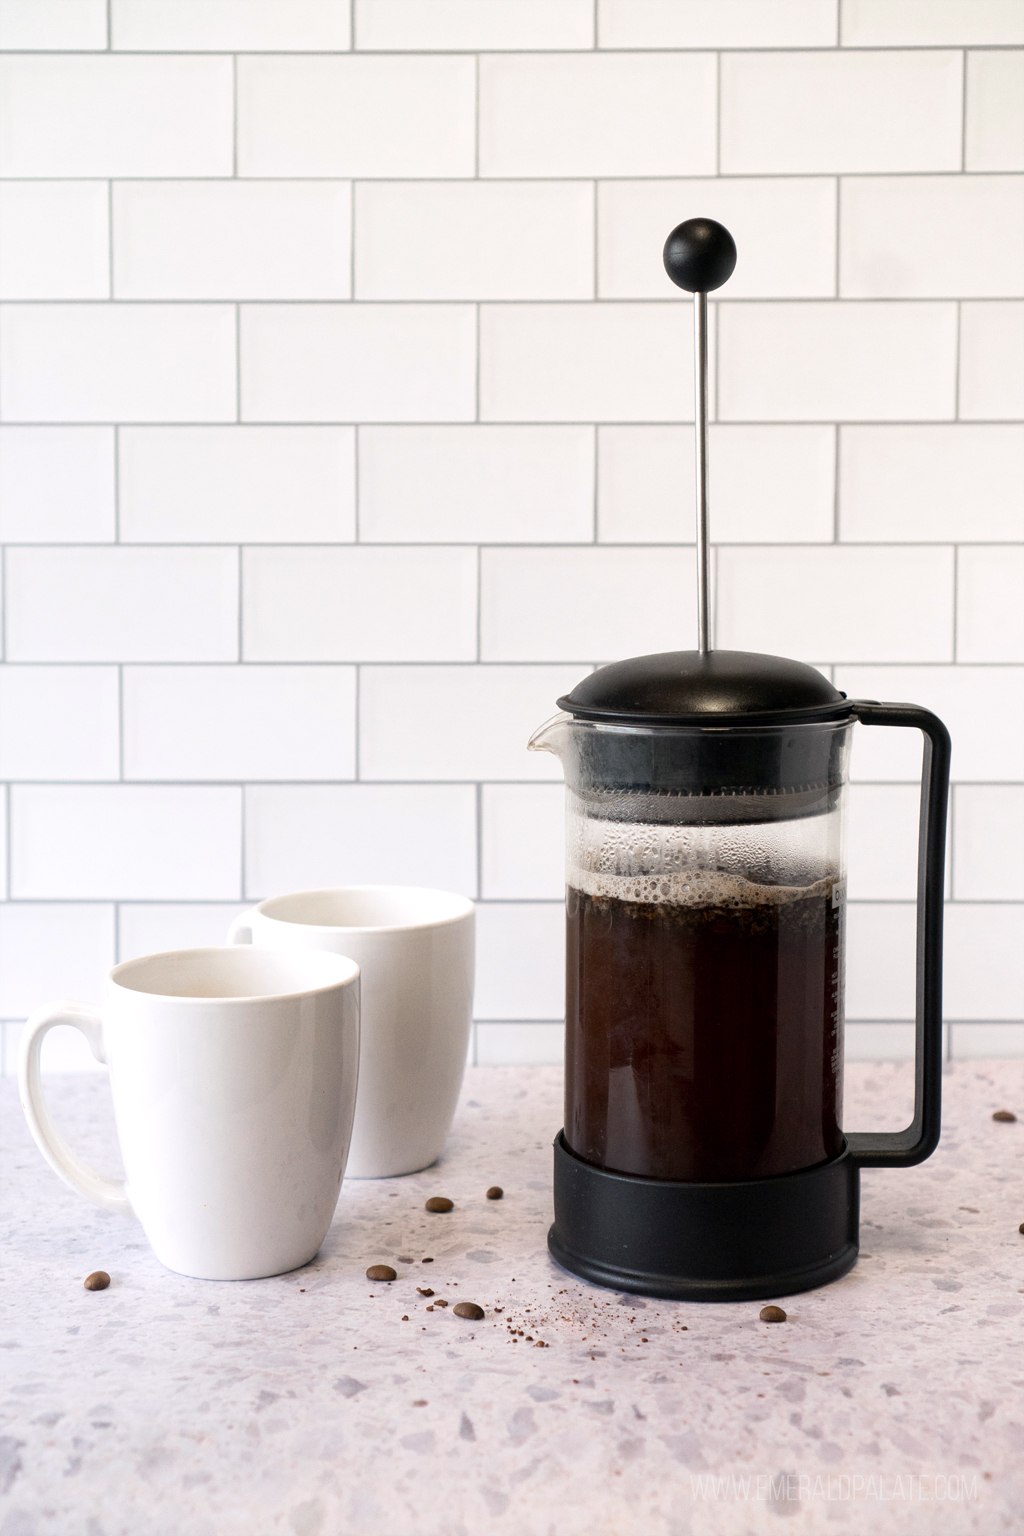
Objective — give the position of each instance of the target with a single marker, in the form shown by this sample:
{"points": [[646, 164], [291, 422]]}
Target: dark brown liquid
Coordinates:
{"points": [[702, 1041]]}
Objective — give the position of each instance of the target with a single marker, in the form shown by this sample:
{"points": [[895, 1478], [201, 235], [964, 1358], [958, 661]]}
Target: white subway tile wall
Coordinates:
{"points": [[343, 427]]}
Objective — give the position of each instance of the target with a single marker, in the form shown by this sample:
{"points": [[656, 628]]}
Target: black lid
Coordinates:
{"points": [[720, 688]]}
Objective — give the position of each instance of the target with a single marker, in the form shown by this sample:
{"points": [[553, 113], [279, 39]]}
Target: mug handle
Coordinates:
{"points": [[240, 931], [108, 1193]]}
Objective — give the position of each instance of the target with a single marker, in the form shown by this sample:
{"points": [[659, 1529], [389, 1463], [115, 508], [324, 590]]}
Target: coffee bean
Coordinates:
{"points": [[428, 1309], [1006, 1115], [405, 1317], [772, 1315], [440, 1303], [495, 1192], [381, 1272], [99, 1280], [1020, 1229], [424, 1290], [426, 1261], [440, 1203], [468, 1309]]}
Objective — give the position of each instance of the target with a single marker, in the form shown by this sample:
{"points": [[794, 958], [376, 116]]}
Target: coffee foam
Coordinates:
{"points": [[693, 888]]}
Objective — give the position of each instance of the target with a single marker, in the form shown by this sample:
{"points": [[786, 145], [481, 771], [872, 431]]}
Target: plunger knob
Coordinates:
{"points": [[700, 255]]}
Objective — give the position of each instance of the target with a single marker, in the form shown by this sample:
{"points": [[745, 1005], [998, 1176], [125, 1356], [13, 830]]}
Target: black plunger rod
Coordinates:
{"points": [[700, 256]]}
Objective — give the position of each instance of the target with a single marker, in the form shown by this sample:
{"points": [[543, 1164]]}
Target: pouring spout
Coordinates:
{"points": [[552, 736]]}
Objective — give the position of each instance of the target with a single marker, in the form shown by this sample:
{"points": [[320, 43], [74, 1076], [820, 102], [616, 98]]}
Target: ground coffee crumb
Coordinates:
{"points": [[99, 1280], [424, 1290], [772, 1315], [1006, 1115], [440, 1303], [381, 1272], [495, 1192], [405, 1317], [440, 1203], [468, 1309], [428, 1309]]}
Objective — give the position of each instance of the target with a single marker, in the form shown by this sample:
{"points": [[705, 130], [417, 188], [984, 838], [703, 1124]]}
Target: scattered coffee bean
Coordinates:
{"points": [[440, 1203], [772, 1315], [99, 1280], [1020, 1229], [424, 1290], [428, 1309], [468, 1309], [495, 1192], [1006, 1115], [406, 1258], [420, 1402], [405, 1317], [440, 1303], [426, 1261], [381, 1272]]}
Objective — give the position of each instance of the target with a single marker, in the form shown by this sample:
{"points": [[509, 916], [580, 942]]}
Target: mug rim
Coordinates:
{"points": [[468, 909], [113, 979]]}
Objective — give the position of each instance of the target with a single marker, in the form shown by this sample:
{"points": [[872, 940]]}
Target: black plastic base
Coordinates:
{"points": [[705, 1242]]}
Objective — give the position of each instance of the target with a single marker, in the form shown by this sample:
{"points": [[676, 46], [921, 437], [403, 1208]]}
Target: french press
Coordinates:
{"points": [[703, 1155]]}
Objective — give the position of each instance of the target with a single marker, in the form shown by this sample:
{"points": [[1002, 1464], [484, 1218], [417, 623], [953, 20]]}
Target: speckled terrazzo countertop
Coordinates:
{"points": [[892, 1400]]}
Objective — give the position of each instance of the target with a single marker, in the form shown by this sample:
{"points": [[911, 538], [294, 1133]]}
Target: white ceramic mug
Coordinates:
{"points": [[415, 951], [233, 1075]]}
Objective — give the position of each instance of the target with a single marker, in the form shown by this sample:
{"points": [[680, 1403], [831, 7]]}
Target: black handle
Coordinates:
{"points": [[700, 255], [900, 1149]]}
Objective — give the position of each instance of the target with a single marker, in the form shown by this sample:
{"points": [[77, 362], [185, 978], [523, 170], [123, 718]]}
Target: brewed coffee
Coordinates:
{"points": [[703, 1026]]}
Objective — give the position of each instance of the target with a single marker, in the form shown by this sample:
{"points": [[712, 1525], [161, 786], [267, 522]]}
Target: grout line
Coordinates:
{"points": [[234, 114], [718, 114], [956, 362], [596, 274], [117, 933], [956, 603], [593, 22], [476, 378], [242, 875], [839, 23], [527, 177], [479, 600], [673, 423], [241, 588], [110, 41], [120, 723], [950, 842], [110, 239], [835, 489], [627, 301], [8, 849], [963, 112], [357, 699], [117, 485], [352, 26], [479, 812], [597, 482], [835, 281], [238, 363], [476, 116], [352, 239], [356, 488]]}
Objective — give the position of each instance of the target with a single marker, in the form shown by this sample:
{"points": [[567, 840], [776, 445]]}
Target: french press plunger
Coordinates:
{"points": [[703, 1155]]}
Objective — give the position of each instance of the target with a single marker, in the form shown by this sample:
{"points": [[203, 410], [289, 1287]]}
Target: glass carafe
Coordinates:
{"points": [[704, 947]]}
